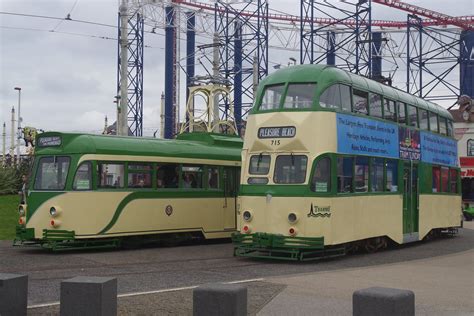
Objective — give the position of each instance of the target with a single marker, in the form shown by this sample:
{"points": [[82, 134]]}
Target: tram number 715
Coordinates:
{"points": [[275, 142]]}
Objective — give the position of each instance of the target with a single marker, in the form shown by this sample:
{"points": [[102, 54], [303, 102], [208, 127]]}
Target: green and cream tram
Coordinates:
{"points": [[333, 161], [97, 191]]}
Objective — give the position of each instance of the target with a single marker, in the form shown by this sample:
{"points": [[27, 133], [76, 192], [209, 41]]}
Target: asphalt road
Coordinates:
{"points": [[156, 268]]}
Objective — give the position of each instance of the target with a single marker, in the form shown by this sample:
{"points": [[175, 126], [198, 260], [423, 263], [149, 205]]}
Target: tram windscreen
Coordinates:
{"points": [[51, 173], [290, 169]]}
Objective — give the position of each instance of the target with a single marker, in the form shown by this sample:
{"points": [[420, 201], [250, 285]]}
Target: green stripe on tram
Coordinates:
{"points": [[158, 195]]}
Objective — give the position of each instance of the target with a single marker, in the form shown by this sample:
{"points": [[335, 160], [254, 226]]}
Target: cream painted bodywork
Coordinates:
{"points": [[352, 217], [88, 213], [315, 134], [439, 211]]}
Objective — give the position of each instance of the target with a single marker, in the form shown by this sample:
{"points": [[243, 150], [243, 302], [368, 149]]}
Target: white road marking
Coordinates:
{"points": [[152, 292]]}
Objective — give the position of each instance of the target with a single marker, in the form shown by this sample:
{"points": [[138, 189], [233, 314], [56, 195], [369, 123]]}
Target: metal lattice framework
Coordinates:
{"points": [[432, 55], [348, 47], [135, 38], [243, 52], [408, 53]]}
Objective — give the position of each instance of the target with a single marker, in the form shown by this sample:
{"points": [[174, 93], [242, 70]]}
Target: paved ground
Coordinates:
{"points": [[443, 285], [440, 272]]}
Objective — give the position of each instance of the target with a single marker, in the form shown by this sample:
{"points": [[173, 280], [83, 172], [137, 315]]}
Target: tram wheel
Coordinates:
{"points": [[374, 244]]}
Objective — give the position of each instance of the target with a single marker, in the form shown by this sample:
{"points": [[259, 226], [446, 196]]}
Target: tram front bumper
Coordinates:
{"points": [[263, 245]]}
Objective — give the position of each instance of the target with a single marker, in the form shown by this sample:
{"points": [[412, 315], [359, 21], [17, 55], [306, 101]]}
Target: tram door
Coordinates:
{"points": [[231, 185], [410, 201]]}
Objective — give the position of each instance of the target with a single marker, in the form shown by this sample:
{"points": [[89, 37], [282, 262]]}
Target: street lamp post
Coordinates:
{"points": [[19, 126]]}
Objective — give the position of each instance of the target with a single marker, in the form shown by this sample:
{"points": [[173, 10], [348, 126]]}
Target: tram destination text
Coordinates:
{"points": [[277, 132]]}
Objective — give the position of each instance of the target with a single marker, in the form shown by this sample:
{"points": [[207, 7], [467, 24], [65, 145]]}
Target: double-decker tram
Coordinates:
{"points": [[97, 191], [334, 162]]}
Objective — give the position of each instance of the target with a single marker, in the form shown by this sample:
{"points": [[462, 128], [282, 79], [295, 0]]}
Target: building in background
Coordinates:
{"points": [[464, 133]]}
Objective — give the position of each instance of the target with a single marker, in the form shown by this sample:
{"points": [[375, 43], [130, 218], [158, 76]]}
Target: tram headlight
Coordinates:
{"points": [[54, 211], [21, 210], [292, 218], [247, 216]]}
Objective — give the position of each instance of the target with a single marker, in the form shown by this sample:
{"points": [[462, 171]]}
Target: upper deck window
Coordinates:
{"points": [[360, 101], [290, 169], [423, 119], [389, 110], [375, 105], [299, 96], [412, 115], [272, 97], [450, 128], [433, 122], [402, 118], [336, 96], [442, 125], [259, 164], [52, 173]]}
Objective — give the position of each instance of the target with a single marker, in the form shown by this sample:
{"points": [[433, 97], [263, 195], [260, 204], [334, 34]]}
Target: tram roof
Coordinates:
{"points": [[325, 76], [192, 145]]}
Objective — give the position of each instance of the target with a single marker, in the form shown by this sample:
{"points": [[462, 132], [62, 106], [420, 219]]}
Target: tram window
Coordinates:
{"points": [[272, 97], [83, 178], [389, 110], [453, 181], [424, 119], [167, 176], [470, 147], [375, 105], [412, 115], [392, 175], [331, 98], [344, 174], [402, 118], [450, 128], [361, 174], [192, 176], [321, 181], [52, 173], [433, 122], [139, 166], [290, 169], [111, 175], [257, 180], [345, 97], [360, 101], [299, 96], [436, 182], [259, 164], [213, 177], [139, 176], [445, 179], [443, 129], [376, 175]]}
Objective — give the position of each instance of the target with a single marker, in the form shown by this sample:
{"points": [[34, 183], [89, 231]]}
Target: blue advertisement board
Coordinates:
{"points": [[438, 150], [362, 136]]}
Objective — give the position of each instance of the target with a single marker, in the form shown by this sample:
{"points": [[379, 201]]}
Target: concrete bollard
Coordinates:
{"points": [[89, 296], [383, 301], [220, 299], [13, 294]]}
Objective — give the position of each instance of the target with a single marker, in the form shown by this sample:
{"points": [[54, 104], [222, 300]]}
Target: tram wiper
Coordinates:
{"points": [[292, 159]]}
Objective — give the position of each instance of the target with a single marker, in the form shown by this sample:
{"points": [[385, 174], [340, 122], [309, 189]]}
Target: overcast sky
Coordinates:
{"points": [[68, 80]]}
